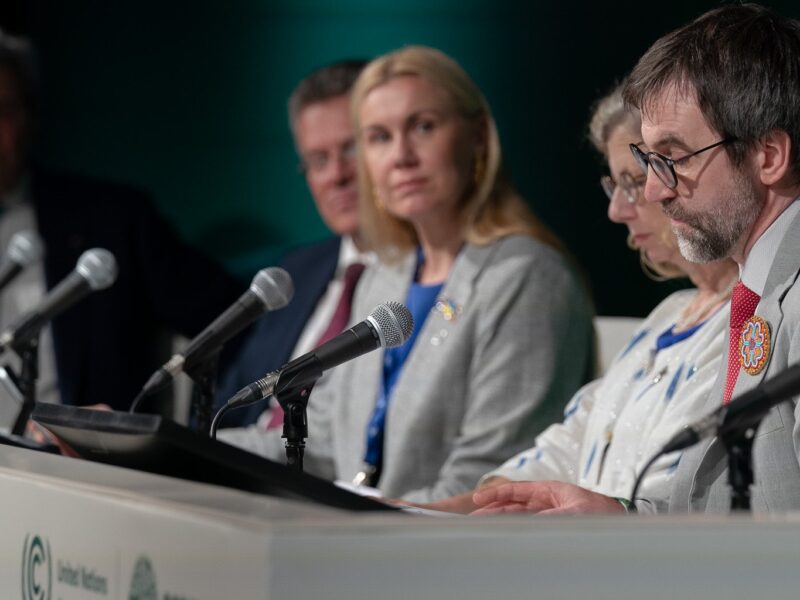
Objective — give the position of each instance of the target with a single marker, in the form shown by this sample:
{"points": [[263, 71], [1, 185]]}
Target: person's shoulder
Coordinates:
{"points": [[670, 308], [525, 248], [81, 190], [327, 248], [525, 258]]}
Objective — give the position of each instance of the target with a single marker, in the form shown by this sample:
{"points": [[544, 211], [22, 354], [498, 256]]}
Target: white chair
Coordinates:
{"points": [[612, 334]]}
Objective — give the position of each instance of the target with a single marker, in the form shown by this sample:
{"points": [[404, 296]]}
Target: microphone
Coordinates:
{"points": [[742, 412], [271, 289], [387, 326], [96, 270], [24, 249]]}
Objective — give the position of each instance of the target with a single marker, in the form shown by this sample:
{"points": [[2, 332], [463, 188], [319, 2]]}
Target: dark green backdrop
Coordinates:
{"points": [[187, 100]]}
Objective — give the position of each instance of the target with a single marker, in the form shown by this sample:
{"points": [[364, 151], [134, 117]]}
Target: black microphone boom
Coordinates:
{"points": [[741, 413], [24, 249], [388, 325], [271, 289], [96, 270]]}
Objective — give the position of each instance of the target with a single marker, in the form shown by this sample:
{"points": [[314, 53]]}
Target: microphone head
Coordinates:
{"points": [[98, 267], [393, 323], [25, 248], [273, 286]]}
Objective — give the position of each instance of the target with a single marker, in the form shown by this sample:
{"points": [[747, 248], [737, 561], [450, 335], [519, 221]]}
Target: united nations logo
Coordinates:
{"points": [[143, 581], [37, 569]]}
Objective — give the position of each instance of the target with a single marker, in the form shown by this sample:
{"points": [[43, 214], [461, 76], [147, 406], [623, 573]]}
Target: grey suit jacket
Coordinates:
{"points": [[474, 390], [701, 481]]}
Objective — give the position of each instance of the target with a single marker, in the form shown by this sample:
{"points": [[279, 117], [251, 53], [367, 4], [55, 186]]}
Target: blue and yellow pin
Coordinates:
{"points": [[449, 309]]}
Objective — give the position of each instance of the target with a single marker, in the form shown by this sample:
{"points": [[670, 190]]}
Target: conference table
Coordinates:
{"points": [[79, 529]]}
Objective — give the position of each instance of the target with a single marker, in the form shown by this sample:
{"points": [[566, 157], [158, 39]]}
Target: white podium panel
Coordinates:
{"points": [[73, 529]]}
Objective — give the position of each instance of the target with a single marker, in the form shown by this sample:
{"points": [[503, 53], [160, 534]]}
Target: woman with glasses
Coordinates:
{"points": [[659, 382], [502, 334]]}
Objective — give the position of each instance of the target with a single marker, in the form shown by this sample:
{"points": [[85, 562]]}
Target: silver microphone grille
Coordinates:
{"points": [[393, 322], [98, 267], [25, 248], [274, 287]]}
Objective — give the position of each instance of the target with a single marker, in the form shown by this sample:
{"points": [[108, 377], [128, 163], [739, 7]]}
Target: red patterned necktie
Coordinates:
{"points": [[743, 306], [339, 320]]}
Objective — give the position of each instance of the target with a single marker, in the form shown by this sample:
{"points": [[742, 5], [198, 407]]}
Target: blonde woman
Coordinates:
{"points": [[503, 326]]}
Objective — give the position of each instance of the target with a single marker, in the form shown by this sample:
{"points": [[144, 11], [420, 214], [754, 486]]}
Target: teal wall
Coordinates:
{"points": [[187, 100]]}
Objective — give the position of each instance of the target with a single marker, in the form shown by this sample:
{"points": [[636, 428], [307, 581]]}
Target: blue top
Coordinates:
{"points": [[669, 337], [420, 300]]}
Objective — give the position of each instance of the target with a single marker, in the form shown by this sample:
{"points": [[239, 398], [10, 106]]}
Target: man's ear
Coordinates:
{"points": [[773, 157]]}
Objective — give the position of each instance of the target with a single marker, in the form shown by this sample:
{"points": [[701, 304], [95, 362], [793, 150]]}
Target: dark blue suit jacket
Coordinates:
{"points": [[107, 345], [270, 342]]}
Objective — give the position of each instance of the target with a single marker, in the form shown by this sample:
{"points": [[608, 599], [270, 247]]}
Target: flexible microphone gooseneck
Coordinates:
{"points": [[272, 288], [24, 249], [96, 270], [387, 326], [741, 413]]}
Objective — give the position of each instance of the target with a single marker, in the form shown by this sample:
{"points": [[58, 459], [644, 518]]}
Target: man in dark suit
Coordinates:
{"points": [[319, 116], [104, 348]]}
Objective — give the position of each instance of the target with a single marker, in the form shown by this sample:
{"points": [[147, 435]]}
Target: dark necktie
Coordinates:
{"points": [[341, 316], [743, 306]]}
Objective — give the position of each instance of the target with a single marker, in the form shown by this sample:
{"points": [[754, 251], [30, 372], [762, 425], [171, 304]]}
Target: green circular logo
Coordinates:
{"points": [[143, 581], [37, 569]]}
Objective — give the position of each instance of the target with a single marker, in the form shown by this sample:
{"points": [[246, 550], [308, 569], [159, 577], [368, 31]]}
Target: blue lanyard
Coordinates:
{"points": [[420, 300]]}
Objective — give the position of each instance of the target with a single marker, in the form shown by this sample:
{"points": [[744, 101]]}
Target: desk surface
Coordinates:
{"points": [[84, 530]]}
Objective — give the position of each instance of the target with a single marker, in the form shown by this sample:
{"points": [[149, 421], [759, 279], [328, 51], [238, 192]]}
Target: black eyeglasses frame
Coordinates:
{"points": [[663, 166]]}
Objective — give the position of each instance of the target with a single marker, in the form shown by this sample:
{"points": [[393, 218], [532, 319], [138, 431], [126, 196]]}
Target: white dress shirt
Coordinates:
{"points": [[21, 295]]}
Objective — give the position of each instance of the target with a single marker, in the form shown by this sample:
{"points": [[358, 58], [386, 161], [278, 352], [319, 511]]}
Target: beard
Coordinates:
{"points": [[709, 236]]}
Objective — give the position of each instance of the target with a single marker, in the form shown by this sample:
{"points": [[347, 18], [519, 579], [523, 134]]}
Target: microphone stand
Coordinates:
{"points": [[204, 376], [739, 444], [29, 373], [294, 402]]}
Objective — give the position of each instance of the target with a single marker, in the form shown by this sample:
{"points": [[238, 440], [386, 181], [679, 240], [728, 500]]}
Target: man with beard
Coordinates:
{"points": [[720, 102]]}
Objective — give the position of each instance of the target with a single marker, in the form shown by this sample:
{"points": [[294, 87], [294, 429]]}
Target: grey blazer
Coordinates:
{"points": [[474, 390], [701, 481]]}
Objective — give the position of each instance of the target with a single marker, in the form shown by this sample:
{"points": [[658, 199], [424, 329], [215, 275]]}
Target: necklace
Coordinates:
{"points": [[692, 316], [689, 321]]}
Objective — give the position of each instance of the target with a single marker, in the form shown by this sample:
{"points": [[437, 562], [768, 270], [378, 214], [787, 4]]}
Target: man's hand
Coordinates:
{"points": [[542, 497], [463, 503]]}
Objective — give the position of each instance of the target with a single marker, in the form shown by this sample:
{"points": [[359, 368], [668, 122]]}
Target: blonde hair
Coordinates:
{"points": [[492, 208], [608, 115]]}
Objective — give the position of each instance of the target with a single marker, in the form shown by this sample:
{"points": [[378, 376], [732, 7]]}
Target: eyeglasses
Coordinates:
{"points": [[664, 167], [631, 187], [316, 163]]}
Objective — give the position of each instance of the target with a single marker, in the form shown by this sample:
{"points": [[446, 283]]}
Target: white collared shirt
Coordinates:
{"points": [[24, 293]]}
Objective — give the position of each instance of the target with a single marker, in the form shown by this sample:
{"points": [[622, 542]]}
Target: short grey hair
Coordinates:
{"points": [[608, 113], [325, 83]]}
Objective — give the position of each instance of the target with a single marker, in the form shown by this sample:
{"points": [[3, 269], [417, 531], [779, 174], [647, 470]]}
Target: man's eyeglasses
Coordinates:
{"points": [[316, 163], [664, 167], [631, 188]]}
